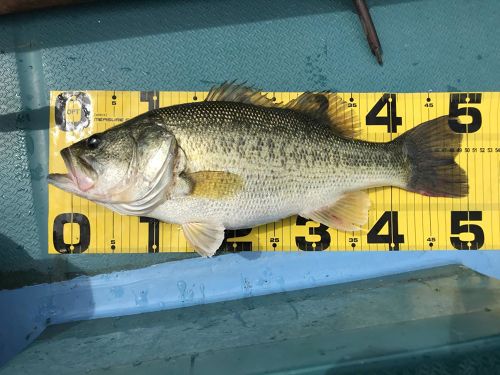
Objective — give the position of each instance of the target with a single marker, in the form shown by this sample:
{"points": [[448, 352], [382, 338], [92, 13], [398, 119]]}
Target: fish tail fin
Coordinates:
{"points": [[430, 150]]}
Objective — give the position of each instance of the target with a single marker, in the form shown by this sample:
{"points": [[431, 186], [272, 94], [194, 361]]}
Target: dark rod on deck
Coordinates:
{"points": [[15, 6], [369, 28]]}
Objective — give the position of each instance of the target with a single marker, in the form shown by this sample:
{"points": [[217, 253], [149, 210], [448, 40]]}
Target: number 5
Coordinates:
{"points": [[457, 99], [457, 228]]}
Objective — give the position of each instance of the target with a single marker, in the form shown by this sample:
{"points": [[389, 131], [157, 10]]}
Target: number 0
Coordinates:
{"points": [[58, 233]]}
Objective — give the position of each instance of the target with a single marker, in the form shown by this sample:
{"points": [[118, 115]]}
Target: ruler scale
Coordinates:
{"points": [[398, 220]]}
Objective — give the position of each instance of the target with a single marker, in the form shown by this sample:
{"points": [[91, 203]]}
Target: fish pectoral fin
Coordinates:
{"points": [[215, 184], [206, 238], [330, 109], [348, 213], [181, 188]]}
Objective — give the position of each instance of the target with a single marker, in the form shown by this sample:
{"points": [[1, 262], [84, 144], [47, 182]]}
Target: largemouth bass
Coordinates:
{"points": [[237, 160]]}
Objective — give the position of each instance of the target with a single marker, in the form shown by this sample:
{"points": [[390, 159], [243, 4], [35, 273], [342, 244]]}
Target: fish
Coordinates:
{"points": [[238, 159]]}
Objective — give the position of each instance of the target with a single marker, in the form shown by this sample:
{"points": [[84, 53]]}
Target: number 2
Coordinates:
{"points": [[236, 246]]}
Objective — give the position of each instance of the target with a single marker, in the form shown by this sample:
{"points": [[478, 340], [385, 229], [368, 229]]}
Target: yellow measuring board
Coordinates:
{"points": [[398, 220]]}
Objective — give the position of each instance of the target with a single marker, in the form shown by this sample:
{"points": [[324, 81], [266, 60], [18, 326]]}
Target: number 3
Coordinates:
{"points": [[322, 231]]}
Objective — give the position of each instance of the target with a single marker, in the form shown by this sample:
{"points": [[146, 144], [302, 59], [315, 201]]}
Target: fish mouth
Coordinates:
{"points": [[81, 175]]}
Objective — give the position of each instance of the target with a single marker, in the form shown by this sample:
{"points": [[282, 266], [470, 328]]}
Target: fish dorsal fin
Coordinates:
{"points": [[214, 184], [233, 92], [348, 213], [206, 238], [328, 108]]}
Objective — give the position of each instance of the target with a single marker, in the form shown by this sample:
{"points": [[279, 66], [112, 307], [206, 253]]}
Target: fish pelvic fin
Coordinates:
{"points": [[330, 109], [206, 238], [430, 150], [348, 213]]}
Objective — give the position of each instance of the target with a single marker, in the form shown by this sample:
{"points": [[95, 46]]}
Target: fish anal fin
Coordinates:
{"points": [[348, 213], [330, 109], [205, 238], [215, 184], [233, 92]]}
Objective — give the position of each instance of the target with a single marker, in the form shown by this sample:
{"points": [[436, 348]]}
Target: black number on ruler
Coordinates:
{"points": [[457, 228], [236, 246], [322, 231], [392, 238], [391, 119], [153, 233], [151, 97], [58, 233], [476, 122]]}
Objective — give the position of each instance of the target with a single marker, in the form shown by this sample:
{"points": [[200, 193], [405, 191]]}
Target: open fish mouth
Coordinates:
{"points": [[81, 175]]}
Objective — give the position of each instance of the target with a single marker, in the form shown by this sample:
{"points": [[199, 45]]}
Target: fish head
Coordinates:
{"points": [[127, 164]]}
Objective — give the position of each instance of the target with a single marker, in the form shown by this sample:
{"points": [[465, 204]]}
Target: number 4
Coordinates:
{"points": [[391, 119], [393, 238]]}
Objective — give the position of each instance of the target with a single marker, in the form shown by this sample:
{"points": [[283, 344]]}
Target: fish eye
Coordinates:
{"points": [[93, 141]]}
